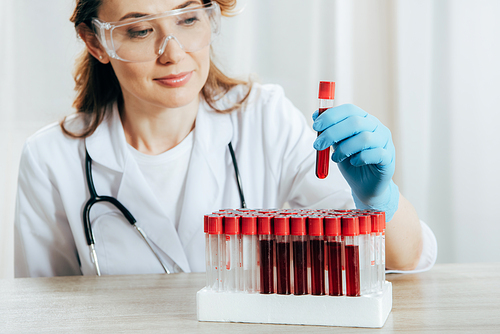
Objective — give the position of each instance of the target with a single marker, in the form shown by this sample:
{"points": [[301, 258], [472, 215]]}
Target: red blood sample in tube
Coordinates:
{"points": [[317, 251], [266, 244], [326, 96], [282, 232], [350, 233], [334, 248], [299, 255], [352, 270]]}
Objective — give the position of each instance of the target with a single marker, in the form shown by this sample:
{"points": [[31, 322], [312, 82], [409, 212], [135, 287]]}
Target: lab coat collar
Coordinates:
{"points": [[205, 178]]}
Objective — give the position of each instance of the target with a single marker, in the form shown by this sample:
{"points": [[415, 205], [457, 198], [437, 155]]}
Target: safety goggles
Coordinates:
{"points": [[145, 38]]}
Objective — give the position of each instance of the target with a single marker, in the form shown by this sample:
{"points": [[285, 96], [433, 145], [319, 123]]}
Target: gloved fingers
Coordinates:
{"points": [[374, 156], [315, 115], [358, 143], [335, 115], [346, 128]]}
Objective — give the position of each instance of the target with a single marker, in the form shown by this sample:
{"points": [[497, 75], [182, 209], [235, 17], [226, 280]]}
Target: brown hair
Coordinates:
{"points": [[97, 85]]}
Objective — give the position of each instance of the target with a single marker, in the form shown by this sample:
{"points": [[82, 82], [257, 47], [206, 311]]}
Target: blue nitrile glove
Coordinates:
{"points": [[364, 153]]}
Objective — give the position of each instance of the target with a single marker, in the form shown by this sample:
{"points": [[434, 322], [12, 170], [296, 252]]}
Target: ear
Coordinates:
{"points": [[93, 45]]}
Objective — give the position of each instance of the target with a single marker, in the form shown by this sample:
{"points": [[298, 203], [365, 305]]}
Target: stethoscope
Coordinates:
{"points": [[94, 198]]}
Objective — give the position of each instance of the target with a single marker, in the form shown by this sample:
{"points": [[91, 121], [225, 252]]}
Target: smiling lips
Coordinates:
{"points": [[175, 80]]}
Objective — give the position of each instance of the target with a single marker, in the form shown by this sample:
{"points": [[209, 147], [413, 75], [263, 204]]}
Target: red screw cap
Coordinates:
{"points": [[365, 224], [315, 225], [326, 90], [264, 224], [282, 225], [332, 226], [215, 224], [248, 225], [350, 226], [298, 225], [232, 224]]}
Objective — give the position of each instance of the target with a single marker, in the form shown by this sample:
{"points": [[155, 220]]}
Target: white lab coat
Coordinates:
{"points": [[273, 146]]}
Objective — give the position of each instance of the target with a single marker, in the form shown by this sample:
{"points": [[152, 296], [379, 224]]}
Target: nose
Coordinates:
{"points": [[172, 52]]}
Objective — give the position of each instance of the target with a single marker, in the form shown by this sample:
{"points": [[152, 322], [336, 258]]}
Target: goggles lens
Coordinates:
{"points": [[145, 39]]}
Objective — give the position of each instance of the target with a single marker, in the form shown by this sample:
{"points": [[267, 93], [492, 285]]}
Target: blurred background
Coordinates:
{"points": [[429, 70]]}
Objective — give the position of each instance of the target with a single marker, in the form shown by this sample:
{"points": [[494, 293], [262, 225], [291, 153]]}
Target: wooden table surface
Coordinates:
{"points": [[450, 297]]}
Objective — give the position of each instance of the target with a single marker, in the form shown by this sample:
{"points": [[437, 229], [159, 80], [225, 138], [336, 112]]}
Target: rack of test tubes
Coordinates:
{"points": [[316, 267]]}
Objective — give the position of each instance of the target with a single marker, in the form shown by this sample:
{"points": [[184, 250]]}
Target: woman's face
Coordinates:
{"points": [[174, 79]]}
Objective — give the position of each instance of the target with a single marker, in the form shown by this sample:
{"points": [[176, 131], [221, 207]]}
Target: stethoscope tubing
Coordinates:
{"points": [[95, 198]]}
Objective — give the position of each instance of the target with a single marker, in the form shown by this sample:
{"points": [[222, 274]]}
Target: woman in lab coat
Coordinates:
{"points": [[155, 116]]}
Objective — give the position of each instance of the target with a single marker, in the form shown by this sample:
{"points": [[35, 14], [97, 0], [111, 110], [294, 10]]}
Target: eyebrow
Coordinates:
{"points": [[137, 14]]}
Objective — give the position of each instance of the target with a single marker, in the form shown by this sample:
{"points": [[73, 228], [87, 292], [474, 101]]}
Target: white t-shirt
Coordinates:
{"points": [[166, 174]]}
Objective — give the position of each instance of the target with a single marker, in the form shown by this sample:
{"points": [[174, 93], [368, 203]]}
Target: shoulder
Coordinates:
{"points": [[51, 145]]}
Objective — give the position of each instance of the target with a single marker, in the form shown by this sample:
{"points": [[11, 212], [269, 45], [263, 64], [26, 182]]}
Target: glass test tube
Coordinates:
{"points": [[233, 267], [326, 96], [335, 250], [208, 270], [317, 254], [365, 228], [217, 251], [299, 241], [375, 242], [381, 268], [266, 248], [249, 253], [283, 276], [350, 233]]}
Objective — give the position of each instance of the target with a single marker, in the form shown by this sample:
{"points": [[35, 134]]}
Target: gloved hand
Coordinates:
{"points": [[364, 153]]}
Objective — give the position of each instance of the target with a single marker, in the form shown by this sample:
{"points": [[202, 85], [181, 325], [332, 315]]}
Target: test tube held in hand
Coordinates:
{"points": [[326, 96], [299, 241], [249, 253], [266, 248], [233, 268], [317, 254], [283, 270], [350, 233]]}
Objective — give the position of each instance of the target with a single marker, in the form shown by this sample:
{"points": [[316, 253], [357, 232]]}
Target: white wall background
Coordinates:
{"points": [[427, 69]]}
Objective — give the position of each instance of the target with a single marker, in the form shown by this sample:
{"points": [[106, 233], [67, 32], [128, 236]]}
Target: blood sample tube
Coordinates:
{"points": [[326, 96], [317, 254], [350, 234], [208, 270], [365, 228], [282, 232], [217, 251], [335, 250], [232, 230], [375, 242], [299, 241], [249, 253], [381, 268], [266, 247]]}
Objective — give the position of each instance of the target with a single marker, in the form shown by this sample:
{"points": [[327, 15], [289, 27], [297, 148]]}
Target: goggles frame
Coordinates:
{"points": [[102, 27]]}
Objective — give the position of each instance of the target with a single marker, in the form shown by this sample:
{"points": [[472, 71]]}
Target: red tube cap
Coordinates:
{"points": [[382, 220], [350, 226], [205, 223], [332, 226], [232, 224], [282, 225], [298, 225], [215, 224], [264, 224], [326, 90], [315, 225], [376, 218], [365, 224], [248, 225]]}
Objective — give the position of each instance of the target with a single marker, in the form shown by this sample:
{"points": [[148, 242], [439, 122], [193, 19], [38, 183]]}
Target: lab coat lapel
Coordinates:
{"points": [[207, 170], [108, 147]]}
